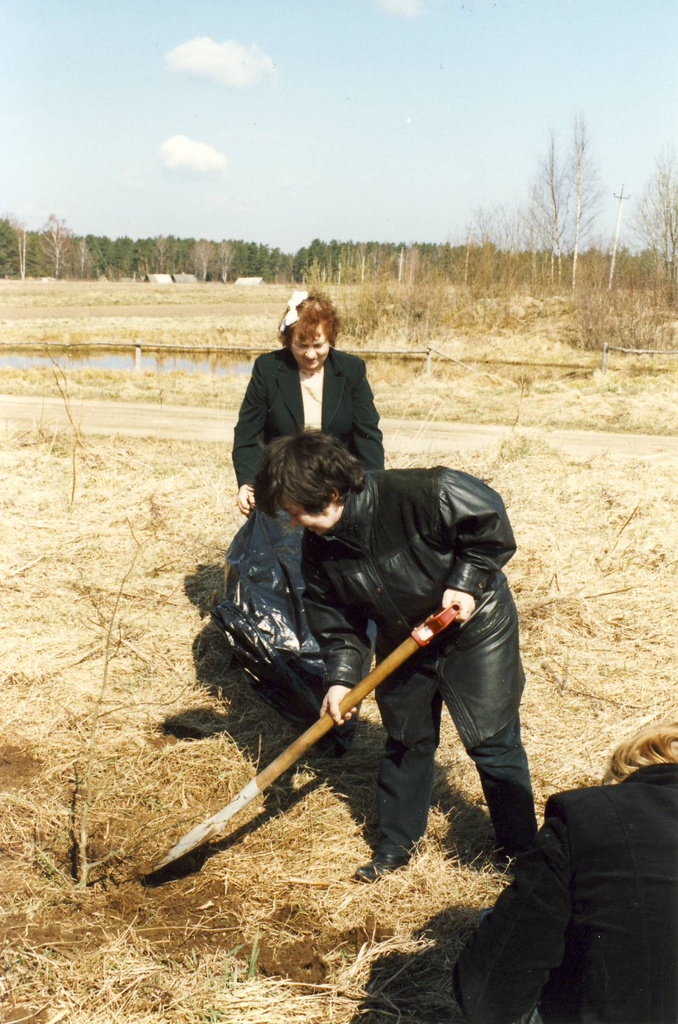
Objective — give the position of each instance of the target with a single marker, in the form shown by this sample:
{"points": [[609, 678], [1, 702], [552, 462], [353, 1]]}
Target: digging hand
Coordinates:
{"points": [[331, 703], [465, 601]]}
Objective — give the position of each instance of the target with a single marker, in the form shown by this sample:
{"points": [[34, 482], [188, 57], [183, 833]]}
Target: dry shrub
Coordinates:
{"points": [[509, 312], [628, 319], [407, 315], [266, 924], [431, 312]]}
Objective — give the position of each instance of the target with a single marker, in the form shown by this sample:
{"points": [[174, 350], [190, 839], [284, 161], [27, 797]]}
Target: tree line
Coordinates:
{"points": [[547, 243], [56, 251]]}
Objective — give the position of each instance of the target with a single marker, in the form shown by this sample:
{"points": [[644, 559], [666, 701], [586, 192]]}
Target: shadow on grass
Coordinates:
{"points": [[258, 730], [417, 987]]}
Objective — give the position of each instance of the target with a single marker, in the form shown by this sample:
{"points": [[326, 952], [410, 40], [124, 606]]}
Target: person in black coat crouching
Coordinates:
{"points": [[391, 548], [587, 933]]}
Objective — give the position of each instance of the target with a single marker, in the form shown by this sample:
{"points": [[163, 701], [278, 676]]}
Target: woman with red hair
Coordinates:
{"points": [[307, 384]]}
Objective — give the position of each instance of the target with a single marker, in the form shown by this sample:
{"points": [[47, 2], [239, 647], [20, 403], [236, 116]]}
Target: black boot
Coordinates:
{"points": [[381, 864]]}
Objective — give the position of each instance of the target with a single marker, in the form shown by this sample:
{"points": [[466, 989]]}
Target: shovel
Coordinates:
{"points": [[214, 826]]}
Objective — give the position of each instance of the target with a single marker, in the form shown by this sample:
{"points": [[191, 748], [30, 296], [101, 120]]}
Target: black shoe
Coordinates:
{"points": [[381, 864]]}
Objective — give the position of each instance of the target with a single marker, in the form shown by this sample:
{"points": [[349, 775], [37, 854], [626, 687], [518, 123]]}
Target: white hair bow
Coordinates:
{"points": [[291, 316]]}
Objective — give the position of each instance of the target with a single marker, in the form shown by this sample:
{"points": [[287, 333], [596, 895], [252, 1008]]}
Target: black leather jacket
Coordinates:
{"points": [[406, 538]]}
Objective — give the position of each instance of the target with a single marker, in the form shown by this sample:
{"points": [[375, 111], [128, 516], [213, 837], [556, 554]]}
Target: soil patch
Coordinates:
{"points": [[192, 917], [17, 768]]}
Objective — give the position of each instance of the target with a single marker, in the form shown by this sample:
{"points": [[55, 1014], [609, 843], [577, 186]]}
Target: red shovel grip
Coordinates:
{"points": [[434, 624]]}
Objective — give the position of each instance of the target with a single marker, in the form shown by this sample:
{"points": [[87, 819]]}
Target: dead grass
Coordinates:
{"points": [[47, 297], [503, 361], [159, 328], [629, 398], [85, 313], [266, 925]]}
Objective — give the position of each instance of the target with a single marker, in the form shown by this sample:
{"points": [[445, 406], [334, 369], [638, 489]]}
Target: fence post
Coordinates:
{"points": [[603, 362], [137, 355], [428, 360]]}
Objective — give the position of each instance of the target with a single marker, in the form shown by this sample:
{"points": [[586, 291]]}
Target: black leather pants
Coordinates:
{"points": [[478, 674], [406, 779]]}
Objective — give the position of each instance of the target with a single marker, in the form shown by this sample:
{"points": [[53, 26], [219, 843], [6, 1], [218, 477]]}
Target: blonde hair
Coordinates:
{"points": [[655, 744]]}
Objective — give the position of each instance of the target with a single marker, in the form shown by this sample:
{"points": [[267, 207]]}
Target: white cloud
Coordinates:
{"points": [[180, 152], [401, 8], [228, 63]]}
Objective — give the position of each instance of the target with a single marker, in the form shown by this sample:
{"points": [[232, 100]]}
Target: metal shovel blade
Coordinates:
{"points": [[215, 825]]}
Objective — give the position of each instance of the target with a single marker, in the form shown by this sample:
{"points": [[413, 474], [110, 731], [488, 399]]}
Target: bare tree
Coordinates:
{"points": [[505, 229], [362, 249], [162, 247], [225, 256], [585, 188], [549, 202], [83, 255], [202, 257], [491, 237], [656, 219], [467, 254], [21, 236], [481, 230], [413, 258], [55, 238], [531, 245]]}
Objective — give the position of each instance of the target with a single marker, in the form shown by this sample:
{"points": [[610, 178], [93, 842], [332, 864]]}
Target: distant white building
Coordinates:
{"points": [[184, 278], [159, 279], [249, 280]]}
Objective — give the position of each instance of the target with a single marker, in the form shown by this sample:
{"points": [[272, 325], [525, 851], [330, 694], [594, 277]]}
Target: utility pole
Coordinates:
{"points": [[621, 197]]}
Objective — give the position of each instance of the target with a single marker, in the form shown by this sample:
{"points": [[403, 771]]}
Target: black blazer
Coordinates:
{"points": [[273, 407], [588, 930]]}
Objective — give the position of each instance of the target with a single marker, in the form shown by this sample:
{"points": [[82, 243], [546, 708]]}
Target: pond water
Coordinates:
{"points": [[218, 364], [234, 364]]}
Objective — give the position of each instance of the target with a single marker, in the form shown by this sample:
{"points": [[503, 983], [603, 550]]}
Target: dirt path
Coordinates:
{"points": [[187, 423]]}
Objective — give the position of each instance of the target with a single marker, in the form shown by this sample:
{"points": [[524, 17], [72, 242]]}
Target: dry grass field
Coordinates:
{"points": [[123, 722], [505, 362]]}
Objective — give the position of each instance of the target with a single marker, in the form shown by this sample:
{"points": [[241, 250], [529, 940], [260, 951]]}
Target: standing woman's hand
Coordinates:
{"points": [[245, 499]]}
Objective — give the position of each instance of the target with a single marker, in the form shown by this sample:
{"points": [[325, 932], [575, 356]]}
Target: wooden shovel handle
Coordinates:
{"points": [[215, 825], [419, 637]]}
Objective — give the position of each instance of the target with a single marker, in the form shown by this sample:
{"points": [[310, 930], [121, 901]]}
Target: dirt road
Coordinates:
{"points": [[186, 423]]}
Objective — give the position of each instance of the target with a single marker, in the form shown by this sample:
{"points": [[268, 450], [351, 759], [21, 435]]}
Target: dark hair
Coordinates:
{"points": [[309, 470], [313, 312]]}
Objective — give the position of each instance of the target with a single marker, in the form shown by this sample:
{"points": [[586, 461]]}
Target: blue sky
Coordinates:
{"points": [[279, 121]]}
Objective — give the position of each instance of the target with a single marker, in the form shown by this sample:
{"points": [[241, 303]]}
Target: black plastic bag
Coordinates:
{"points": [[263, 618]]}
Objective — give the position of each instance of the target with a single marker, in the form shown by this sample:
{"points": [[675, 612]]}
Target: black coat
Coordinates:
{"points": [[273, 407], [589, 927], [400, 543]]}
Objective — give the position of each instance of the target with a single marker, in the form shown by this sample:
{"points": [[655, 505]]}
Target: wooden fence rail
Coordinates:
{"points": [[633, 351]]}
